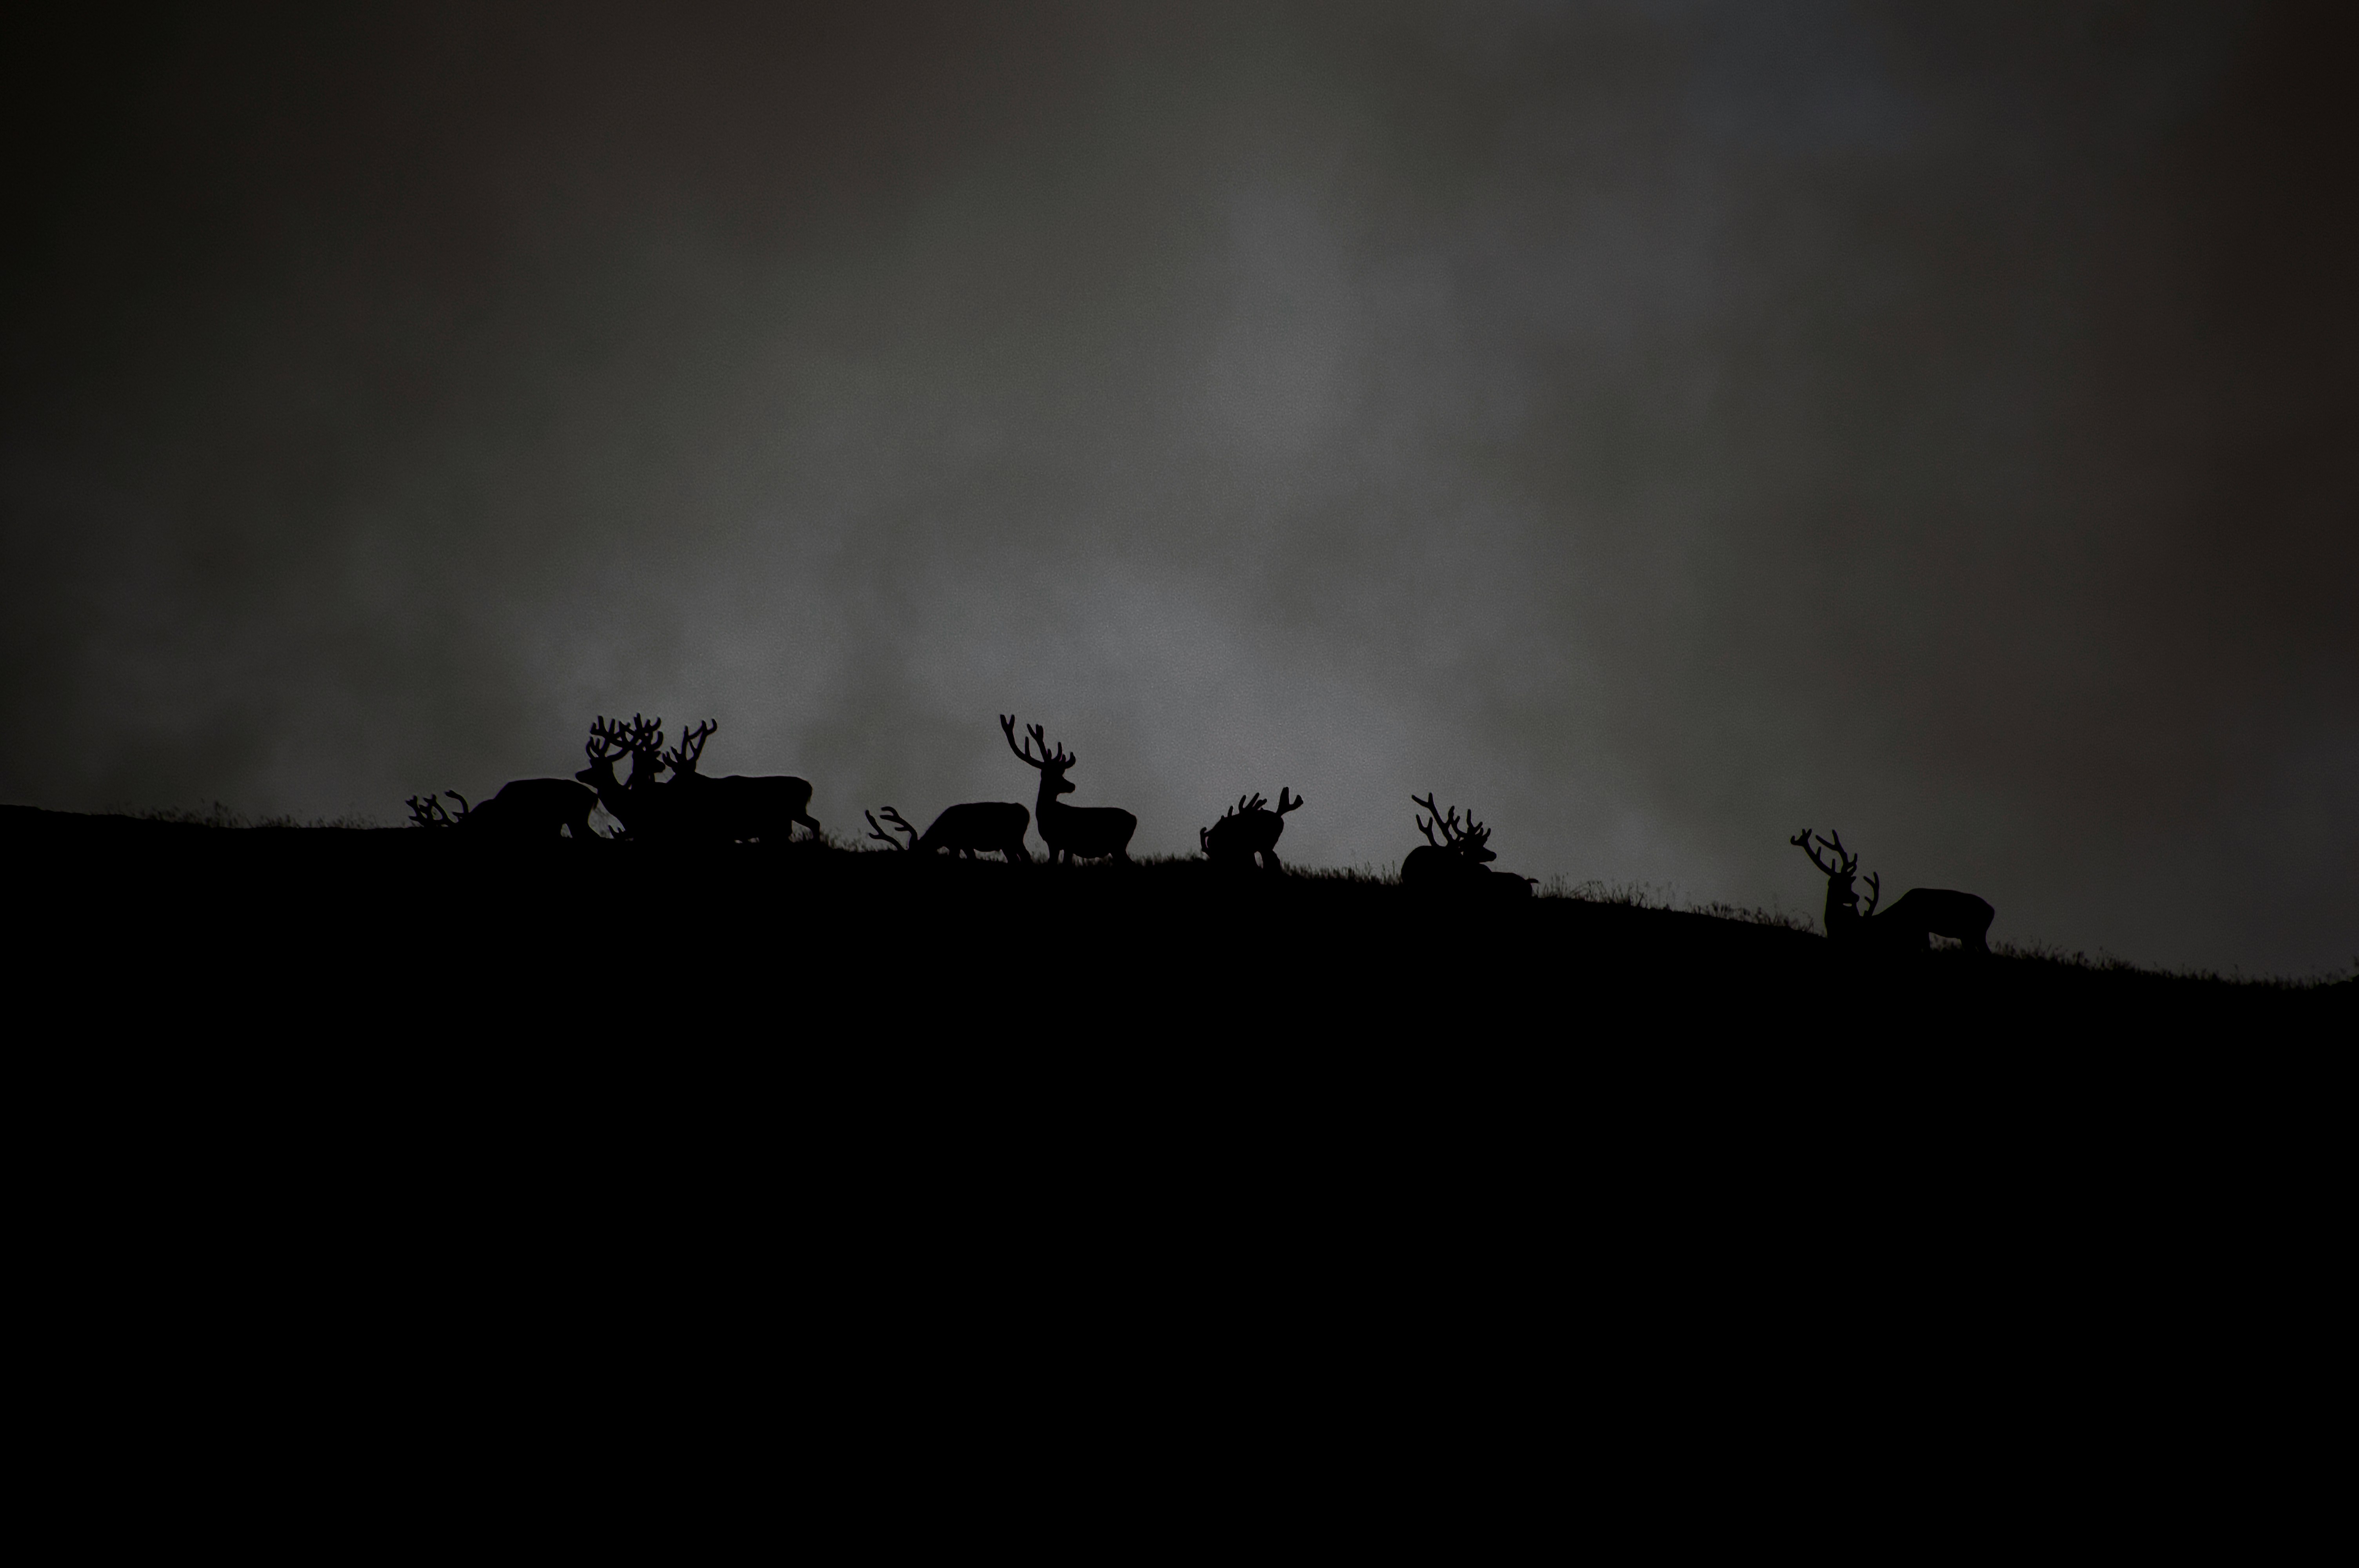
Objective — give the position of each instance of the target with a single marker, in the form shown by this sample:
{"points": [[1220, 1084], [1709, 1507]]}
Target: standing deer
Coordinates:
{"points": [[1915, 916], [1072, 832], [611, 741], [523, 810], [1246, 830], [966, 831], [733, 806], [1459, 859]]}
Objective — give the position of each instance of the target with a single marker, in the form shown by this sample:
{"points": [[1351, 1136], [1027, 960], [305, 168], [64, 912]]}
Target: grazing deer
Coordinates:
{"points": [[1915, 917], [733, 806], [1072, 832], [1246, 830], [1459, 859], [966, 831], [524, 808]]}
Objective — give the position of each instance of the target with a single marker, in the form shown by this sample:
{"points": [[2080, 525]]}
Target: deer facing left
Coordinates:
{"points": [[523, 810], [1915, 917], [1072, 832]]}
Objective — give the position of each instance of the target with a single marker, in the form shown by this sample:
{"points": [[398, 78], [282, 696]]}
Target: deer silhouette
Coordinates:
{"points": [[1246, 830], [1459, 860], [1915, 917], [1072, 832], [975, 829], [610, 742], [733, 806], [523, 810]]}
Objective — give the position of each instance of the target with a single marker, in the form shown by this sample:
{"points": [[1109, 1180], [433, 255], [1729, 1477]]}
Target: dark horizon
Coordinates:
{"points": [[1655, 427]]}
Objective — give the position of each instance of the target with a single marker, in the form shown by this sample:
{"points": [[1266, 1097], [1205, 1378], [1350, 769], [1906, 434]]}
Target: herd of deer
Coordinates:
{"points": [[693, 807]]}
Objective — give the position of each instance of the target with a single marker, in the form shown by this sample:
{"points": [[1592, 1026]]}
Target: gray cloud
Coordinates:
{"points": [[1655, 427]]}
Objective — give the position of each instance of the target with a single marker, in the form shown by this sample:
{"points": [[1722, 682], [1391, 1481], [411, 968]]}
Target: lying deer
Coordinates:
{"points": [[975, 829], [1459, 859], [524, 808], [1246, 830], [1072, 832], [1915, 917]]}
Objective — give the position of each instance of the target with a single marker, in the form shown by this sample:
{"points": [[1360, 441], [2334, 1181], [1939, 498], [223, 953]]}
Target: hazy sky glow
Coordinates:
{"points": [[1655, 427]]}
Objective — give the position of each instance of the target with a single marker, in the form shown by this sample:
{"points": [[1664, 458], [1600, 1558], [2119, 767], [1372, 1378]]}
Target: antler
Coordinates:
{"points": [[1061, 759], [1874, 889], [1452, 836], [1802, 842], [607, 737], [1284, 804], [897, 819], [1007, 728], [682, 759], [426, 811], [463, 807], [1850, 861]]}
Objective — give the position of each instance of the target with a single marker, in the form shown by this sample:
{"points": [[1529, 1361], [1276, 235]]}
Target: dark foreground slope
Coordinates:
{"points": [[588, 1120], [359, 932]]}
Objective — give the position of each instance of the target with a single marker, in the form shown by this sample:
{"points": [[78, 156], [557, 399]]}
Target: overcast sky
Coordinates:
{"points": [[1652, 427]]}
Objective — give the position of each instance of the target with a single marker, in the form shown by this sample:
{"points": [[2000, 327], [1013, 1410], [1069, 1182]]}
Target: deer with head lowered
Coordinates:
{"points": [[966, 831], [1915, 917], [1246, 830], [733, 806], [1459, 859], [1072, 832], [523, 810]]}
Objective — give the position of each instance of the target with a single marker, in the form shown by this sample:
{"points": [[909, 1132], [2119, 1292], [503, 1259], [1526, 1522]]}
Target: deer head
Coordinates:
{"points": [[609, 744], [1842, 898], [1470, 841], [1052, 765], [897, 821]]}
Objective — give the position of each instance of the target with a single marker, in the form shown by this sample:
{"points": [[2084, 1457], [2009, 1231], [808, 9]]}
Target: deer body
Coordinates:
{"points": [[1915, 915], [1934, 911], [1072, 832], [1247, 830], [966, 831], [736, 805]]}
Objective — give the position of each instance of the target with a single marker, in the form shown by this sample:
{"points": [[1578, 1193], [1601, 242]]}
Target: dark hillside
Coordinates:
{"points": [[1310, 1116], [355, 932]]}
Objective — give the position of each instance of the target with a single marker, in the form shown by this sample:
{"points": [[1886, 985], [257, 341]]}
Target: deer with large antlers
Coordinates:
{"points": [[733, 806], [635, 804], [1246, 830], [1457, 858], [975, 828], [1915, 917], [1072, 832]]}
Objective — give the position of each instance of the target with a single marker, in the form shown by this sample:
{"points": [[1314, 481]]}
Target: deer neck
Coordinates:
{"points": [[1049, 801], [609, 788]]}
